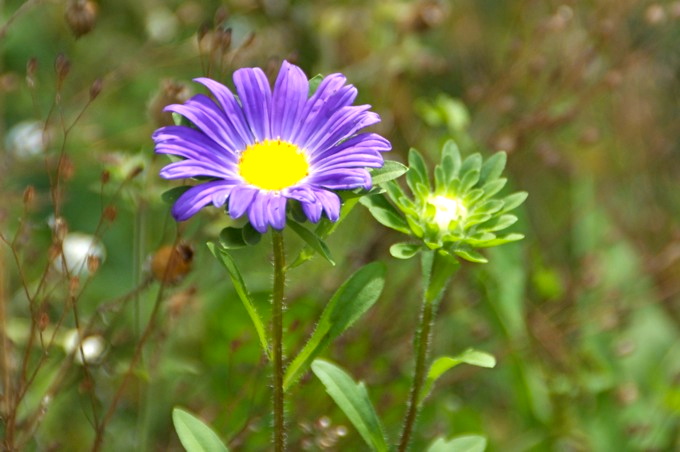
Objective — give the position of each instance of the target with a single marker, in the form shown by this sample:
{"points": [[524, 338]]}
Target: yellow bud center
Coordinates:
{"points": [[273, 164], [447, 210]]}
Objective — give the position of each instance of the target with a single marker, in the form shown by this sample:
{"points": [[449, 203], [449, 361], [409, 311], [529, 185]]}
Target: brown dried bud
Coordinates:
{"points": [[43, 321], [110, 213], [31, 69], [225, 40], [221, 15], [136, 171], [93, 263], [95, 88], [62, 66], [29, 195], [54, 251], [106, 177], [66, 168], [170, 92], [81, 16], [73, 286], [60, 229], [170, 264]]}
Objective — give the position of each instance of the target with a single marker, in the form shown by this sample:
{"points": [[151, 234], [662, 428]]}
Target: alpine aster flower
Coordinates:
{"points": [[264, 147]]}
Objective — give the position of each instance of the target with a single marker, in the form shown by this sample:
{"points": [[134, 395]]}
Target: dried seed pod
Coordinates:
{"points": [[170, 92], [96, 88], [170, 264], [81, 16], [110, 213], [29, 196], [62, 66]]}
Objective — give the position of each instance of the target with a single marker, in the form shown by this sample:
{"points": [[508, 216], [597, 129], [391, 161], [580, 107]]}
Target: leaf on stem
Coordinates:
{"points": [[350, 301], [240, 286], [389, 171], [444, 363], [314, 241], [194, 434], [466, 443], [352, 398]]}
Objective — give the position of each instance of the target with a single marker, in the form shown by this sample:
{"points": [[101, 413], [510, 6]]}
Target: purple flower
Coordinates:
{"points": [[266, 147]]}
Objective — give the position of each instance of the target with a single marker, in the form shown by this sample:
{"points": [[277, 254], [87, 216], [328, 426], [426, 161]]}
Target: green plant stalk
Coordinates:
{"points": [[423, 338], [277, 339]]}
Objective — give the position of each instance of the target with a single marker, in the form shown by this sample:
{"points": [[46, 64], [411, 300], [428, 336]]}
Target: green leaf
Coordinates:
{"points": [[313, 240], [471, 163], [232, 238], [352, 398], [466, 443], [445, 363], [385, 213], [493, 187], [417, 172], [404, 250], [250, 235], [195, 435], [314, 83], [500, 223], [469, 180], [240, 286], [172, 195], [323, 230], [470, 255], [514, 200], [389, 171], [350, 301], [451, 160], [493, 167]]}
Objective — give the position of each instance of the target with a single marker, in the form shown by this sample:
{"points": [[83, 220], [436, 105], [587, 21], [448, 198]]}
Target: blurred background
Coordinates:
{"points": [[583, 315]]}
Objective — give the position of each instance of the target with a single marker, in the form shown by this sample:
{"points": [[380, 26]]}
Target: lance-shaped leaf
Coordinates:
{"points": [[350, 301], [313, 240], [466, 443], [352, 398], [240, 286], [444, 363], [389, 171], [195, 435]]}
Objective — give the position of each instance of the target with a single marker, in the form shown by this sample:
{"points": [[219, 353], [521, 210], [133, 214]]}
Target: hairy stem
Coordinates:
{"points": [[422, 348], [277, 339], [437, 271]]}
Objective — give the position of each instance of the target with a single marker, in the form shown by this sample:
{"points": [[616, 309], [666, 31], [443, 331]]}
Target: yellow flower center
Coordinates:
{"points": [[273, 164], [447, 210]]}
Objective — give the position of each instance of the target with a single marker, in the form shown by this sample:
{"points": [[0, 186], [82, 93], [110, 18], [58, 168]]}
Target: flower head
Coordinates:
{"points": [[267, 146], [460, 214]]}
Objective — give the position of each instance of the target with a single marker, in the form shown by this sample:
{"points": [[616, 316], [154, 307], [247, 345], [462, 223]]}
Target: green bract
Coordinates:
{"points": [[459, 215]]}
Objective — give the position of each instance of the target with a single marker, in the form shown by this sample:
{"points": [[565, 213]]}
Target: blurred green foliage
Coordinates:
{"points": [[582, 316]]}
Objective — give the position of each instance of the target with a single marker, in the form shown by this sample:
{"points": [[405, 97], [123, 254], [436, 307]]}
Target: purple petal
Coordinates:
{"points": [[195, 168], [210, 119], [257, 212], [343, 124], [276, 211], [240, 199], [290, 94], [236, 120], [330, 202], [199, 196], [342, 179], [330, 96], [254, 93], [192, 144], [362, 143]]}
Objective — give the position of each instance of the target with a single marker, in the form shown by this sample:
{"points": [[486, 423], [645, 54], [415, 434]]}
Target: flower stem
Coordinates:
{"points": [[277, 339], [422, 348], [437, 272]]}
